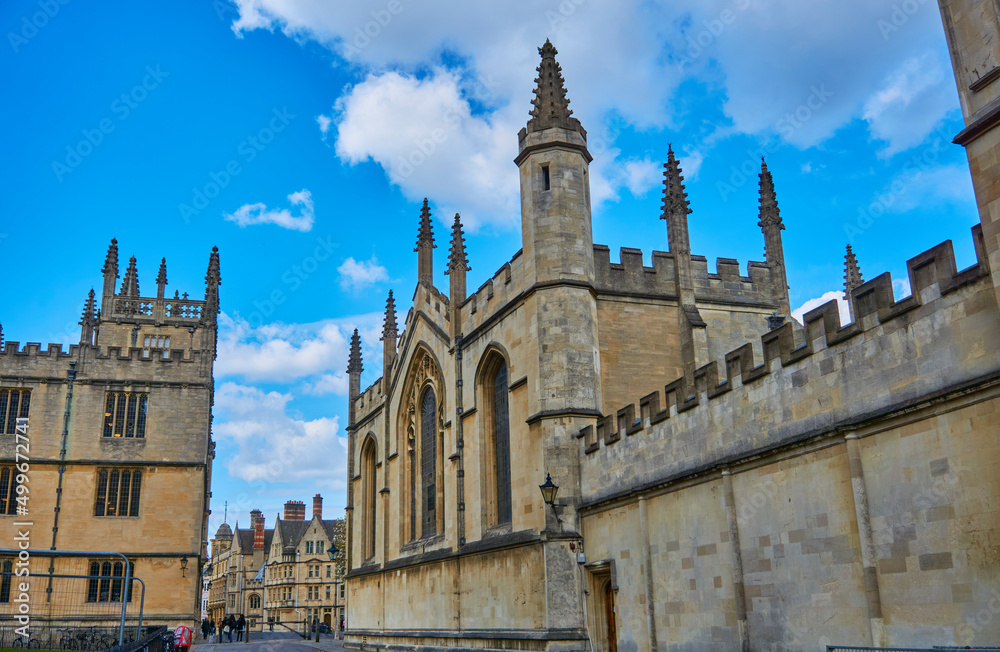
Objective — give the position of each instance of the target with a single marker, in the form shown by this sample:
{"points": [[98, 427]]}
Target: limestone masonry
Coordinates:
{"points": [[120, 450], [728, 479]]}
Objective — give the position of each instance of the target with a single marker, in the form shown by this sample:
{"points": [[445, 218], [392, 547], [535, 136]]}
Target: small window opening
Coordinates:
{"points": [[545, 177]]}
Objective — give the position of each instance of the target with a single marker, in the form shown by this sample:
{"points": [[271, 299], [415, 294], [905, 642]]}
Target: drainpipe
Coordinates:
{"points": [[70, 377]]}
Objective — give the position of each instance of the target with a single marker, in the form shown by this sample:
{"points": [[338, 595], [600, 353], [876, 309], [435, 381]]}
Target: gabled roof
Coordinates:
{"points": [[292, 532], [244, 539]]}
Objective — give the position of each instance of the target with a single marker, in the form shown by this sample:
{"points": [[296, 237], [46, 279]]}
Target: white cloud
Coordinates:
{"points": [[910, 103], [900, 288], [324, 122], [640, 176], [423, 134], [831, 55], [273, 446], [285, 353], [834, 295], [249, 214], [356, 275], [328, 384]]}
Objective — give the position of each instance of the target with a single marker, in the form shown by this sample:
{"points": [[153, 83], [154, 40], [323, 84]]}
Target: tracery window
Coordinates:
{"points": [[501, 445], [125, 414], [118, 492], [8, 490], [428, 462], [14, 403], [102, 587]]}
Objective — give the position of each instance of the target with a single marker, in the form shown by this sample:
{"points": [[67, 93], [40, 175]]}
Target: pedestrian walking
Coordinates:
{"points": [[241, 624], [211, 627], [204, 628], [226, 630]]}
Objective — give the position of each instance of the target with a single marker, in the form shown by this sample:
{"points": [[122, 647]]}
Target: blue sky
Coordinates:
{"points": [[299, 137]]}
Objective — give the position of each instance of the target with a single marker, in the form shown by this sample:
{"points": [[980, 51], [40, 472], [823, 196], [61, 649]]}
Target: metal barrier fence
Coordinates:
{"points": [[91, 611], [936, 648]]}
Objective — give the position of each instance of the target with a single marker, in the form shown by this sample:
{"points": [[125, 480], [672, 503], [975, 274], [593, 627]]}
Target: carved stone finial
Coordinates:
{"points": [[550, 106], [354, 361], [130, 284], [389, 328], [769, 214], [457, 257], [111, 260], [675, 199], [425, 234], [852, 272]]}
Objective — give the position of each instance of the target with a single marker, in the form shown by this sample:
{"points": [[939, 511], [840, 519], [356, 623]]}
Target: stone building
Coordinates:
{"points": [[285, 574], [119, 434], [727, 478]]}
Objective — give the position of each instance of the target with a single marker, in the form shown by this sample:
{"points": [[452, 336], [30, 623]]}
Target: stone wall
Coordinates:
{"points": [[899, 548]]}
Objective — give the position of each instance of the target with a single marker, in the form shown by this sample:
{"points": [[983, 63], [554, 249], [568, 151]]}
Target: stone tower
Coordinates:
{"points": [[973, 31], [553, 160]]}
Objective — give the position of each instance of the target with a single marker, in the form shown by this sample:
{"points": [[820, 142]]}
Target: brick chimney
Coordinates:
{"points": [[295, 510], [258, 529], [318, 506]]}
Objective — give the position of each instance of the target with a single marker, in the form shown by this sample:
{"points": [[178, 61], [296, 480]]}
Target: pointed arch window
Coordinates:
{"points": [[501, 444], [428, 463], [494, 392], [368, 499]]}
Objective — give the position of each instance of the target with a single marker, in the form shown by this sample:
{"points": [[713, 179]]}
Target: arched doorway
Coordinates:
{"points": [[609, 617]]}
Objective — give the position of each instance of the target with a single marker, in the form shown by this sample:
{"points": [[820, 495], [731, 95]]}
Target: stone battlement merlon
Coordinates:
{"points": [[369, 400], [631, 277], [494, 294], [934, 281], [78, 351]]}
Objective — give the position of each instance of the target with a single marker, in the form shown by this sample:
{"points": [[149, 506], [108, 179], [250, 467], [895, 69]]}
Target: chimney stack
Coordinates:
{"points": [[295, 510], [257, 519], [318, 506]]}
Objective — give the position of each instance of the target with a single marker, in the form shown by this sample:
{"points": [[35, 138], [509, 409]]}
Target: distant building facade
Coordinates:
{"points": [[280, 575], [121, 450], [727, 478]]}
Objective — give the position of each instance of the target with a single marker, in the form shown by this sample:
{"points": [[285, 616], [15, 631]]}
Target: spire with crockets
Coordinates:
{"points": [[457, 258], [88, 319], [852, 277], [425, 246], [389, 334], [675, 207], [354, 365], [550, 106], [213, 279], [130, 284], [458, 265], [161, 279], [769, 220], [354, 369]]}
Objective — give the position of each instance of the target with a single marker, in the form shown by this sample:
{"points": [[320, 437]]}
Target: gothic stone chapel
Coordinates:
{"points": [[727, 479]]}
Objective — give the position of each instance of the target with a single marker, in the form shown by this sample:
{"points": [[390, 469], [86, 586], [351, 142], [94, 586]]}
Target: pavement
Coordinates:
{"points": [[271, 642]]}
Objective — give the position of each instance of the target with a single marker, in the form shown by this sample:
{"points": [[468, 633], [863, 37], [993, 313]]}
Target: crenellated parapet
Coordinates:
{"points": [[370, 400], [726, 285], [495, 295], [942, 337], [32, 361]]}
